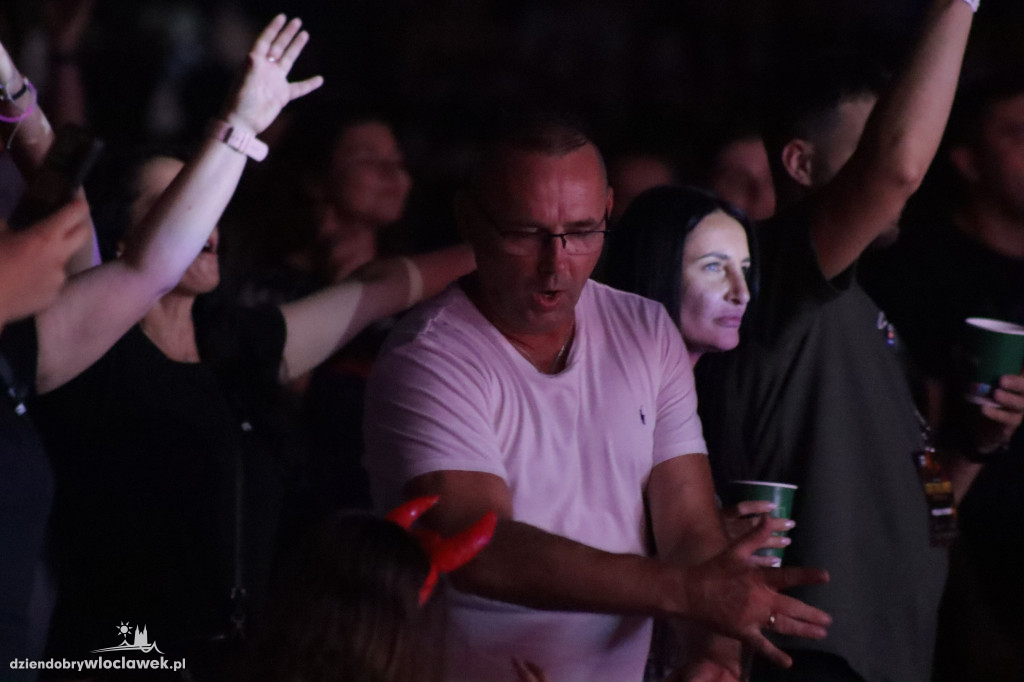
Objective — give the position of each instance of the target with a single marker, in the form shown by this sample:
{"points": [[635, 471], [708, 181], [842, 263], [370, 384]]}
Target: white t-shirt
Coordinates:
{"points": [[575, 448]]}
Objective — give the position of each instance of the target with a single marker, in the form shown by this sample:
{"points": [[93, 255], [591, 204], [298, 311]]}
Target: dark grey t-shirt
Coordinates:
{"points": [[816, 395]]}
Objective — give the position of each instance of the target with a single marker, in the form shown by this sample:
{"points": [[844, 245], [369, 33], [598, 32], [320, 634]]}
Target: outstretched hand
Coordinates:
{"points": [[264, 88], [735, 598]]}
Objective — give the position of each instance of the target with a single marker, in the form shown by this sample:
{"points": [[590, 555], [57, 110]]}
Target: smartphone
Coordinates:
{"points": [[62, 173]]}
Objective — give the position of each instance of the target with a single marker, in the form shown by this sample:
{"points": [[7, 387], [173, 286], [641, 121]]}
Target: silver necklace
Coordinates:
{"points": [[559, 356]]}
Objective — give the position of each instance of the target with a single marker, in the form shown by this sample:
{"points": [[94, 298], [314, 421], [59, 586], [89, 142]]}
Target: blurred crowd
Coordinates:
{"points": [[366, 284]]}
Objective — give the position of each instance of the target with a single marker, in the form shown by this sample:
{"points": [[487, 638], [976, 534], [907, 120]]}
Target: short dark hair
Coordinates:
{"points": [[803, 102], [645, 252], [548, 134], [114, 186]]}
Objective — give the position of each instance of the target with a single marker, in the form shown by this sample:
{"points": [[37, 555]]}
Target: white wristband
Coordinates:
{"points": [[243, 140], [973, 4], [415, 280]]}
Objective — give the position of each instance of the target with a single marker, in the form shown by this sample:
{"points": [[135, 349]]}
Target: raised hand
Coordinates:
{"points": [[264, 88], [32, 261], [735, 598]]}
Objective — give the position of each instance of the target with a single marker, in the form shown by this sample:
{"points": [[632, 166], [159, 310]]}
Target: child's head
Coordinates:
{"points": [[348, 608], [357, 600]]}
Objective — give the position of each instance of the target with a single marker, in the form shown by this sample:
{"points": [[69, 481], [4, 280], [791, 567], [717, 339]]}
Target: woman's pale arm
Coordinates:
{"points": [[321, 323], [98, 306]]}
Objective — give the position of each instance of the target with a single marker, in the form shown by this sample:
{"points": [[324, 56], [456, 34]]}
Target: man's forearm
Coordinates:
{"points": [[526, 565]]}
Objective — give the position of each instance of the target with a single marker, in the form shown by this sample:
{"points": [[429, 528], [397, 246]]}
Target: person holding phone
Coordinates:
{"points": [[98, 305]]}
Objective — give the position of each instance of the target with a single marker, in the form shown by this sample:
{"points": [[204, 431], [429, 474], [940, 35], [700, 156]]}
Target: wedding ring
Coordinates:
{"points": [[271, 59], [771, 621]]}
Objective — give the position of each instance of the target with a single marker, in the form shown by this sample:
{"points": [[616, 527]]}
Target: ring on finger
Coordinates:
{"points": [[771, 621]]}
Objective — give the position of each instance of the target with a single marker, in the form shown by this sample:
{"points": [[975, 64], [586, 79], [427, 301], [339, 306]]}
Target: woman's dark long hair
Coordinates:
{"points": [[645, 252], [347, 609]]}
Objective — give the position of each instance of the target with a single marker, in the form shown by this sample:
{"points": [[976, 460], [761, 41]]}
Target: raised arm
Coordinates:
{"points": [[898, 144], [526, 565], [98, 306], [321, 323], [27, 136]]}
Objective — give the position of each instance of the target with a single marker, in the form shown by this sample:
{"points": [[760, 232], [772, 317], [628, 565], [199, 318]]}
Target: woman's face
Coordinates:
{"points": [[369, 182], [716, 258], [155, 176]]}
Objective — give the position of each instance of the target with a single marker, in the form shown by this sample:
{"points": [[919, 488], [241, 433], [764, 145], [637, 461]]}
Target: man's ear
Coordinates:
{"points": [[798, 159], [965, 161], [609, 203]]}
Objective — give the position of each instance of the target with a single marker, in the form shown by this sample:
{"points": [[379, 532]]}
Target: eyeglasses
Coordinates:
{"points": [[528, 241]]}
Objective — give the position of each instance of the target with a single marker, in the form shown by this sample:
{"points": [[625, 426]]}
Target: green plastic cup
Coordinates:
{"points": [[992, 348], [767, 491]]}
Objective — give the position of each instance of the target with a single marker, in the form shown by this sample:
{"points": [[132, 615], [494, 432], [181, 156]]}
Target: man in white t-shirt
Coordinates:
{"points": [[569, 409]]}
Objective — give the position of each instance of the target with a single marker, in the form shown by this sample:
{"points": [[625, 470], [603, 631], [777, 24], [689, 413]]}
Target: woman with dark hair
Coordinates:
{"points": [[182, 422], [689, 250], [60, 340]]}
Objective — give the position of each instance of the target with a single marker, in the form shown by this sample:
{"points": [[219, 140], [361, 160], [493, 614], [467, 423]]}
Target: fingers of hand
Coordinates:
{"points": [[1008, 399], [283, 40], [749, 543], [765, 561], [784, 625], [777, 525], [1007, 420], [749, 507], [301, 88], [762, 646], [1012, 382], [293, 50], [261, 48], [794, 610]]}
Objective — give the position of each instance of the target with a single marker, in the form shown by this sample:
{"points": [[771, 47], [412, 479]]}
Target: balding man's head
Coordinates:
{"points": [[543, 136]]}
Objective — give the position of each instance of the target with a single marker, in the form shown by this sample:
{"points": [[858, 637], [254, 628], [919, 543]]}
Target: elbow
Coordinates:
{"points": [[906, 178], [899, 165]]}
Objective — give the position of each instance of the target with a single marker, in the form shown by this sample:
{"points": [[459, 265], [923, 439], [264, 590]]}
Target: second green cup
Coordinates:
{"points": [[769, 491], [993, 348]]}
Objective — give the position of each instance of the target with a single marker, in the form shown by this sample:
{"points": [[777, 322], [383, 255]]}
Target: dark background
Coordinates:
{"points": [[649, 75]]}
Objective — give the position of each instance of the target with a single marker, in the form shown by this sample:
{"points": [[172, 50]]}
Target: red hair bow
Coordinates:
{"points": [[446, 554]]}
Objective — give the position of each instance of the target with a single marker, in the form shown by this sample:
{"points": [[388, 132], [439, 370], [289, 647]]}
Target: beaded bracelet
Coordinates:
{"points": [[26, 85]]}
